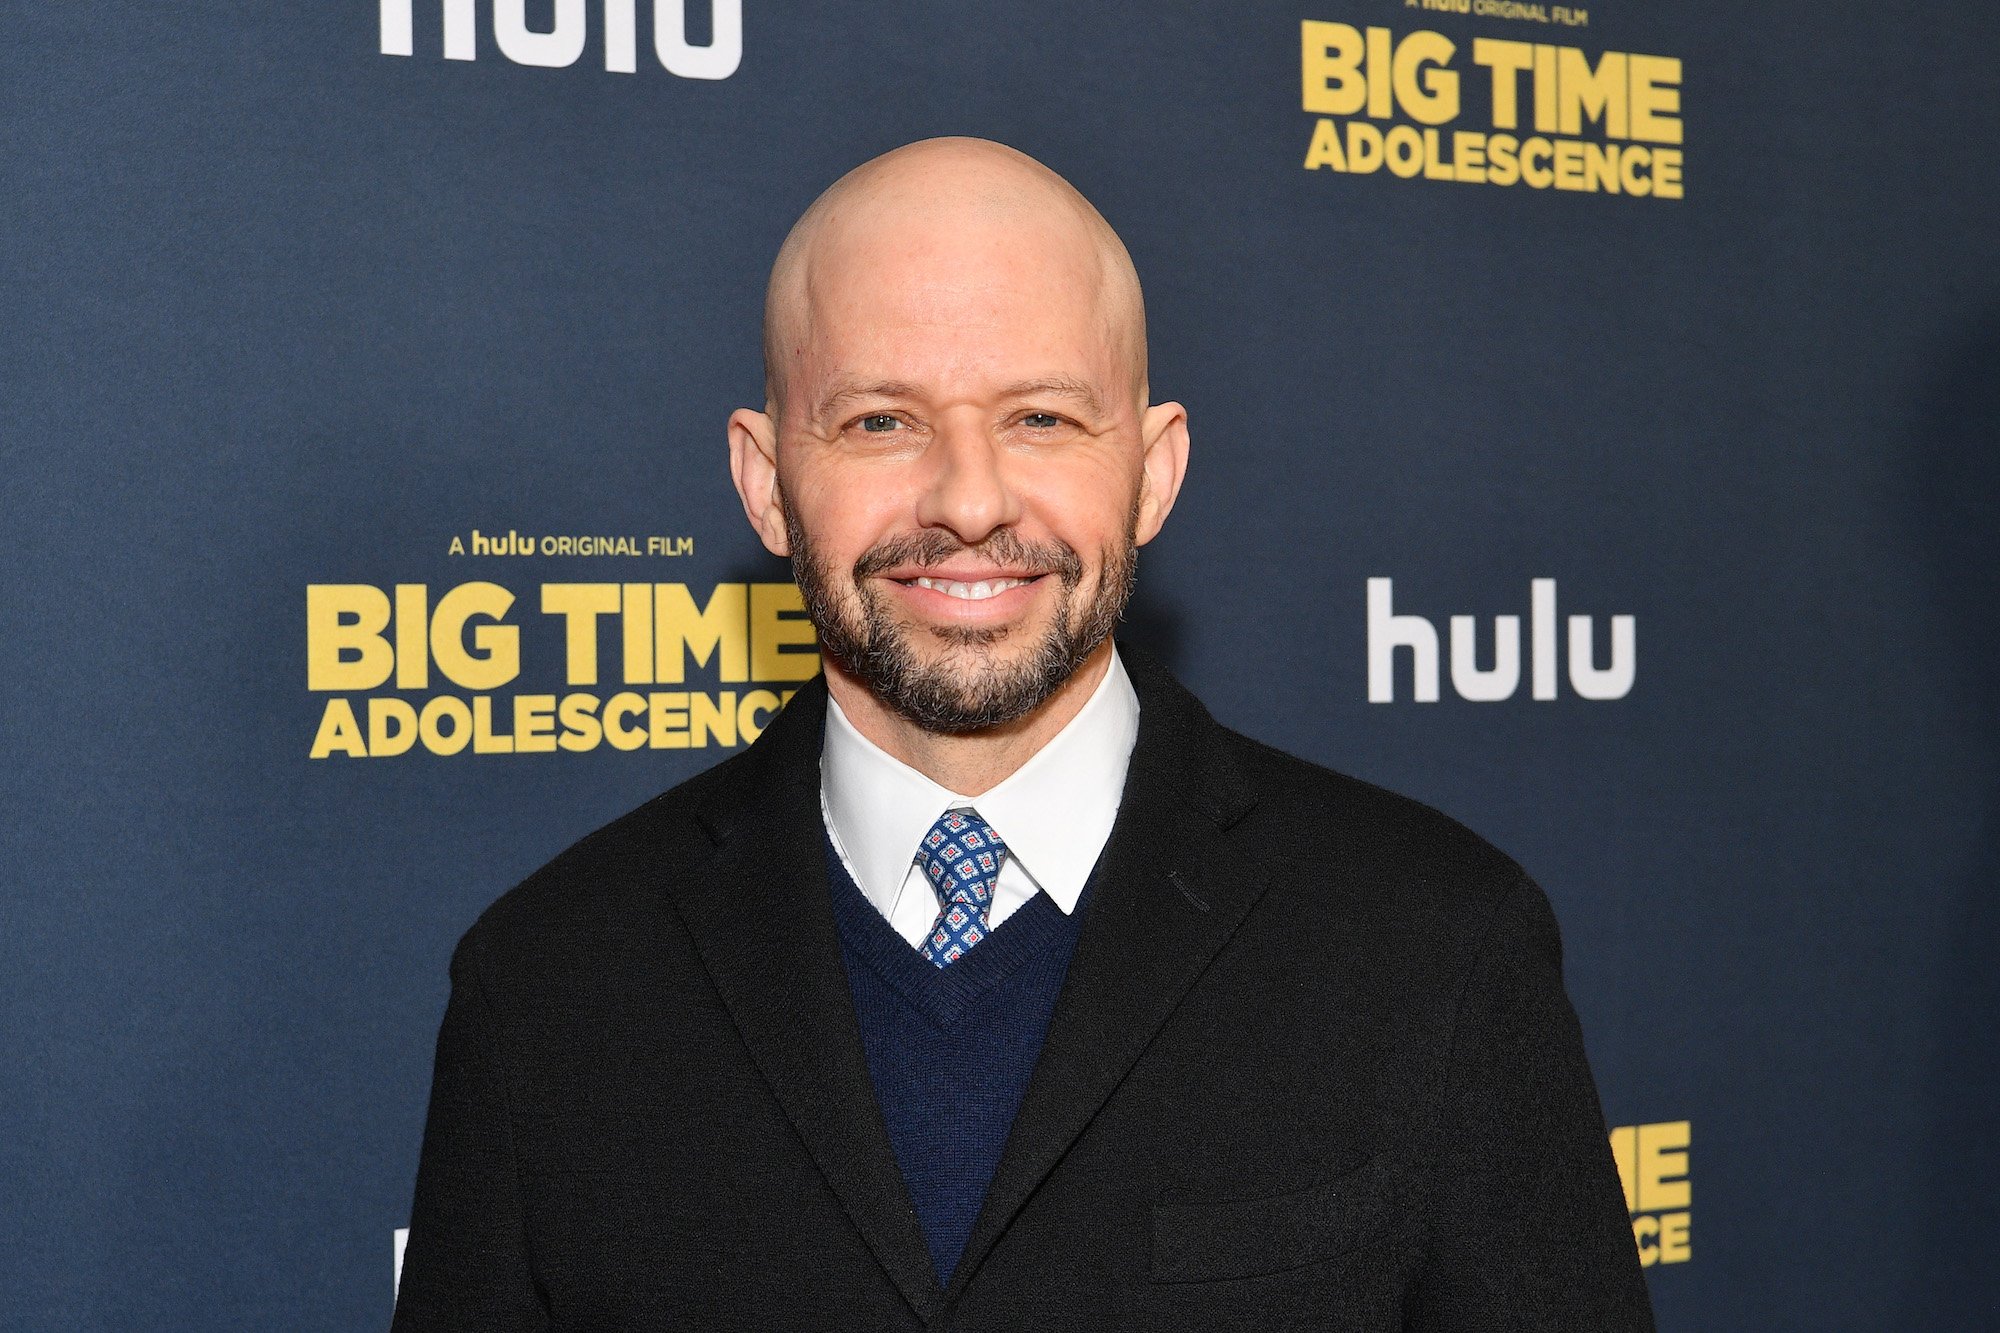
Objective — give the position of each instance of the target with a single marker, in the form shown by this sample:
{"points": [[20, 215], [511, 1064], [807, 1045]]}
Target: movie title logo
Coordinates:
{"points": [[1499, 112], [562, 43], [412, 669]]}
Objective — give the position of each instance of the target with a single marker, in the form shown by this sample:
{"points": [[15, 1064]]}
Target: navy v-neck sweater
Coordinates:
{"points": [[950, 1048]]}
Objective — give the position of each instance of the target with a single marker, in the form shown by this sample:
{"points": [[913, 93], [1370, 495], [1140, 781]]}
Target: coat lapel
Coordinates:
{"points": [[762, 918], [1170, 892]]}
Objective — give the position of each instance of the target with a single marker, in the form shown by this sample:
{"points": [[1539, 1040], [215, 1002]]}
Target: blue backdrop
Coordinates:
{"points": [[287, 308]]}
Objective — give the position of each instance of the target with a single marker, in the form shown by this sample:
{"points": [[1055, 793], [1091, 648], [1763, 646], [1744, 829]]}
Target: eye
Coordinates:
{"points": [[878, 422], [1041, 420]]}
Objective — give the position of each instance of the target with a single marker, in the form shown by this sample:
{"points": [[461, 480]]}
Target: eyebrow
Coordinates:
{"points": [[1059, 387], [1055, 386], [848, 391]]}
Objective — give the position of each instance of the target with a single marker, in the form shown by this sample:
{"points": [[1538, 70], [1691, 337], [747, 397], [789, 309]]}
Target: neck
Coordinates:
{"points": [[974, 763]]}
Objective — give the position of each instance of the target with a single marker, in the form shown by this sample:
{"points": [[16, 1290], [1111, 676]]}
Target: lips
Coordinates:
{"points": [[967, 596], [966, 591]]}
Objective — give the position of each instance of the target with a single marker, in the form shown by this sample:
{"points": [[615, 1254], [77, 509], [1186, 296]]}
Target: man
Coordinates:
{"points": [[996, 986]]}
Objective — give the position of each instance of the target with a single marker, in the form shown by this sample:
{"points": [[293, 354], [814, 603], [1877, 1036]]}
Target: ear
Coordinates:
{"points": [[753, 464], [1163, 435]]}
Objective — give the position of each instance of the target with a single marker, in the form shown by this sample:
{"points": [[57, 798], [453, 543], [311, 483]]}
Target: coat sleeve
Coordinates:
{"points": [[1529, 1228], [466, 1265]]}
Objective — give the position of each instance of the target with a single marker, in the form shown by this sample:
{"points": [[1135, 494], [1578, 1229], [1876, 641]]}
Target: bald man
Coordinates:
{"points": [[996, 986]]}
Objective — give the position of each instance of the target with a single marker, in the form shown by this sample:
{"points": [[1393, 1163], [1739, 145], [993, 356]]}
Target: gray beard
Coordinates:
{"points": [[969, 690]]}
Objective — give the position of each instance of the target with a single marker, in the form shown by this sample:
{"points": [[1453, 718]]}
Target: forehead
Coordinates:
{"points": [[967, 307]]}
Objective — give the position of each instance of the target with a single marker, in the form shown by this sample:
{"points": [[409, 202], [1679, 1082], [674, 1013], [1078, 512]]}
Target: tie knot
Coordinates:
{"points": [[961, 856]]}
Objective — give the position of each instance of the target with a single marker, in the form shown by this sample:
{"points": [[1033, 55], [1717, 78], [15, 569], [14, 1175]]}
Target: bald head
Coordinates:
{"points": [[945, 220]]}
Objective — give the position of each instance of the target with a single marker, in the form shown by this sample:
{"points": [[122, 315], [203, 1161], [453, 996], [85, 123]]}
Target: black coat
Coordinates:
{"points": [[1312, 1068]]}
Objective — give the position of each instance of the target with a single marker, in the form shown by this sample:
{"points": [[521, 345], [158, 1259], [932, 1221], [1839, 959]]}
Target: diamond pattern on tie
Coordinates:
{"points": [[961, 856]]}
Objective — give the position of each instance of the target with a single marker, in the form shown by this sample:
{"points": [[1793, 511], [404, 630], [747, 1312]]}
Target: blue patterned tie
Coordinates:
{"points": [[961, 856]]}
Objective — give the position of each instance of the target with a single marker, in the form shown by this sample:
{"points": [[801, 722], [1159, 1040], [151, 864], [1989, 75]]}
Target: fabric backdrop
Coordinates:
{"points": [[1594, 416]]}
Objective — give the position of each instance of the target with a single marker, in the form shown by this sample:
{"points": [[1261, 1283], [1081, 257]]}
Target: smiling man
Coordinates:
{"points": [[996, 986], [955, 358]]}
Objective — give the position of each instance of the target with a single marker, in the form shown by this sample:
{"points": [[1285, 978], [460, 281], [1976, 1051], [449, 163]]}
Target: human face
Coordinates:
{"points": [[962, 473]]}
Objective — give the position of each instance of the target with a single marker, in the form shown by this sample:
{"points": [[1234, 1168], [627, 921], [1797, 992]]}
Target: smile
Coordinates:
{"points": [[970, 592]]}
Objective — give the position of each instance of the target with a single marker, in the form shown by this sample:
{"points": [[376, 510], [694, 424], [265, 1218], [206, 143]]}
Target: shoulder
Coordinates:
{"points": [[1332, 842], [612, 889], [1361, 818], [1376, 857], [605, 885]]}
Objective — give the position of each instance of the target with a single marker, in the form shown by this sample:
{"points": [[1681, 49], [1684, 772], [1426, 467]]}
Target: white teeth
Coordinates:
{"points": [[970, 592]]}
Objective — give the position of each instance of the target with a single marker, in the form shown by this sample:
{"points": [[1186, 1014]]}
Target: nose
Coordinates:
{"points": [[967, 492]]}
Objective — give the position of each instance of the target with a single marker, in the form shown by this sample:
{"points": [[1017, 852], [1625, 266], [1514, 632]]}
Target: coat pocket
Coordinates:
{"points": [[1203, 1242]]}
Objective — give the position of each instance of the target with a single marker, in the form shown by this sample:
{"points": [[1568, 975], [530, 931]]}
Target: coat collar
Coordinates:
{"points": [[1171, 889]]}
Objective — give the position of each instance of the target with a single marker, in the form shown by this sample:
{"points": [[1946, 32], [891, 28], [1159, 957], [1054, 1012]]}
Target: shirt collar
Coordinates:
{"points": [[1054, 813]]}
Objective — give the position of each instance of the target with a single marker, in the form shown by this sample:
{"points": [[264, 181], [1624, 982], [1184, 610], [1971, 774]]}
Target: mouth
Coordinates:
{"points": [[962, 597], [969, 590]]}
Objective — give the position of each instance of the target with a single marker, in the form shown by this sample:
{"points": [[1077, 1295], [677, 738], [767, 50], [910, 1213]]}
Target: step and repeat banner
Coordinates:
{"points": [[1595, 424]]}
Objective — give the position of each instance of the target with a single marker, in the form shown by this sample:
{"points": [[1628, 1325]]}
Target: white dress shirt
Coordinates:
{"points": [[1054, 813]]}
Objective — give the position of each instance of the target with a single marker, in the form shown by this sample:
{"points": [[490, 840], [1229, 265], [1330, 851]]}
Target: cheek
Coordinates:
{"points": [[843, 515], [1088, 508]]}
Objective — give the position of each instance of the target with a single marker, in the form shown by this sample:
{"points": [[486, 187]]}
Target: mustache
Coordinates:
{"points": [[933, 547]]}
